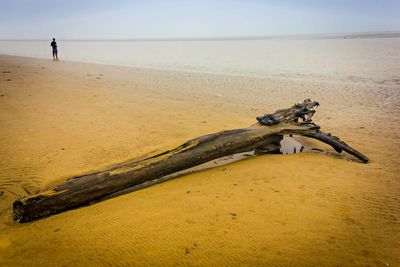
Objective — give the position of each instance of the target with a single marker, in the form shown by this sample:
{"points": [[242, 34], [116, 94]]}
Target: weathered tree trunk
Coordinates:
{"points": [[265, 135]]}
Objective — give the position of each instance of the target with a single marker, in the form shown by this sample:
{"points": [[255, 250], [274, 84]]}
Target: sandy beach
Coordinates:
{"points": [[60, 119]]}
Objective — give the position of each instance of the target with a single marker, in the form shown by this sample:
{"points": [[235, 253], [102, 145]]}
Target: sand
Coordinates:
{"points": [[59, 119]]}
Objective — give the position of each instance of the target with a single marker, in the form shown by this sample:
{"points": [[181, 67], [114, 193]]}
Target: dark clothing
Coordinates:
{"points": [[54, 45], [55, 52]]}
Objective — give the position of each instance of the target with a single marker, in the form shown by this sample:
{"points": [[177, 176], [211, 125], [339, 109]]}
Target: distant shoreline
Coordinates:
{"points": [[393, 34], [212, 73]]}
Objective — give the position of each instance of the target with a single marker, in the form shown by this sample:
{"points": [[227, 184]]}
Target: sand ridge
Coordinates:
{"points": [[60, 119]]}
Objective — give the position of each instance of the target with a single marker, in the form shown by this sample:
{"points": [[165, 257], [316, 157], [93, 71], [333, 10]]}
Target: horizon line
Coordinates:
{"points": [[351, 35]]}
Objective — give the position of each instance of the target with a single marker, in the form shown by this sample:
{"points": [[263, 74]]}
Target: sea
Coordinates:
{"points": [[373, 59]]}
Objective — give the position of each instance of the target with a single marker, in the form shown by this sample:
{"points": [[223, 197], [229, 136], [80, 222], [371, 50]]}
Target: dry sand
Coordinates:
{"points": [[59, 119]]}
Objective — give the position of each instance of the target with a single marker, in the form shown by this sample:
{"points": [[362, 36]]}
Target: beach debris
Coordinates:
{"points": [[264, 136]]}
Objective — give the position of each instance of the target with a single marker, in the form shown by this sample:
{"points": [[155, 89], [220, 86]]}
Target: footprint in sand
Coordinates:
{"points": [[274, 190], [190, 249], [234, 216]]}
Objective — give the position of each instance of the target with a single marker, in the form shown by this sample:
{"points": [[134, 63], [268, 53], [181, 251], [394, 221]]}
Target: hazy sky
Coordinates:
{"points": [[192, 18]]}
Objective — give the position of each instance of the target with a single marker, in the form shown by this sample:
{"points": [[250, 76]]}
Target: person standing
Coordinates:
{"points": [[55, 51]]}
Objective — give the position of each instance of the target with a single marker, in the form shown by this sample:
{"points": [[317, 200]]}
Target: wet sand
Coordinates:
{"points": [[59, 119]]}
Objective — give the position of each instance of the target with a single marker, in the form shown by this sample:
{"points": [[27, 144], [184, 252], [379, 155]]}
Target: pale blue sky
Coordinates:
{"points": [[79, 19]]}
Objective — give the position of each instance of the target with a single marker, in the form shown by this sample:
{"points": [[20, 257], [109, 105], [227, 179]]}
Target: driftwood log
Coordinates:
{"points": [[264, 136]]}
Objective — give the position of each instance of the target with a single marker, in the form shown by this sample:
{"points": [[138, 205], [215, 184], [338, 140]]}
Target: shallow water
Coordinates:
{"points": [[366, 60]]}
